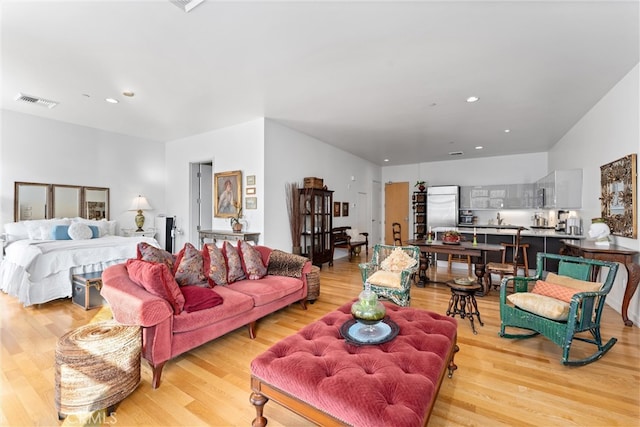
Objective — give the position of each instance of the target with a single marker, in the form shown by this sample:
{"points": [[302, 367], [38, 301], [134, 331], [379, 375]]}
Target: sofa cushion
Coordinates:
{"points": [[233, 304], [251, 261], [267, 289], [217, 266], [541, 305], [157, 280], [199, 298], [190, 267], [234, 263], [150, 253]]}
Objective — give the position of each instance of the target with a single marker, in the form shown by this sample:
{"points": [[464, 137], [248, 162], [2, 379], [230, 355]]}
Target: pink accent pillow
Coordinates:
{"points": [[234, 264], [197, 298], [190, 267], [217, 271], [552, 290], [146, 252], [157, 280], [251, 261]]}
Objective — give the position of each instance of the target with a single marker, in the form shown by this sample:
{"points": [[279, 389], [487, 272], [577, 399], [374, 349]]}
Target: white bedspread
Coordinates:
{"points": [[37, 271]]}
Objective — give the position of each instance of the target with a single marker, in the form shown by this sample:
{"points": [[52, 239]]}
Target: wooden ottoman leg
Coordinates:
{"points": [[258, 400]]}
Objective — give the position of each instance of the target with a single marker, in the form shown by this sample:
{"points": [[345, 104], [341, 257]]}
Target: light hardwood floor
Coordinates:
{"points": [[499, 382]]}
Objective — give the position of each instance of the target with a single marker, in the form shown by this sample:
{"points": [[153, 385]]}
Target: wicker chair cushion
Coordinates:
{"points": [[563, 293], [570, 282], [498, 267], [541, 305], [390, 279], [398, 260]]}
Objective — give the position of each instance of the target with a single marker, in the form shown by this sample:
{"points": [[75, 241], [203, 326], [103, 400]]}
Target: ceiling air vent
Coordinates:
{"points": [[186, 5], [456, 153], [36, 100]]}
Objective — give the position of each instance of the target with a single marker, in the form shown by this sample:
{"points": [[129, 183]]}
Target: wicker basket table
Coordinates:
{"points": [[313, 284], [97, 366]]}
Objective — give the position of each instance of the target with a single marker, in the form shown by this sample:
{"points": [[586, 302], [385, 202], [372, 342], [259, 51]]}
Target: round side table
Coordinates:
{"points": [[463, 302]]}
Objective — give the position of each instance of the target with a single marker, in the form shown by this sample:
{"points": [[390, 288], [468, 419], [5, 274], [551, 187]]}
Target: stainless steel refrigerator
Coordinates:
{"points": [[442, 206]]}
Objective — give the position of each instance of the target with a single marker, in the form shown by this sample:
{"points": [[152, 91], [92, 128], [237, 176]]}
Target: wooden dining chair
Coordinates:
{"points": [[396, 229], [506, 268]]}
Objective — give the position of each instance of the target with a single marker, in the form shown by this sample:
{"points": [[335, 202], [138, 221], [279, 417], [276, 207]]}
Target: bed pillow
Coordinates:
{"points": [[198, 298], [251, 261], [234, 263], [150, 253], [41, 229], [78, 231], [16, 231], [61, 232], [157, 280], [217, 266], [190, 267], [103, 226]]}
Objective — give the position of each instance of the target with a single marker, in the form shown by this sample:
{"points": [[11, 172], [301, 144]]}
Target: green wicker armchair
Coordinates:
{"points": [[584, 313], [399, 295]]}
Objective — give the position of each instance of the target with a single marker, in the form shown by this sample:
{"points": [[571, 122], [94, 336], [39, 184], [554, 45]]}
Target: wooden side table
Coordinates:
{"points": [[463, 302], [227, 235]]}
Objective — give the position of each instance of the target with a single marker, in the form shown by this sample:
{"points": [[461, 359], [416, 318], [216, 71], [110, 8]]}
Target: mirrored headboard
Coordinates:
{"points": [[34, 200]]}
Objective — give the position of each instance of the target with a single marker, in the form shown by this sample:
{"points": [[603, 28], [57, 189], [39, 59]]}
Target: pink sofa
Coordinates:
{"points": [[166, 335]]}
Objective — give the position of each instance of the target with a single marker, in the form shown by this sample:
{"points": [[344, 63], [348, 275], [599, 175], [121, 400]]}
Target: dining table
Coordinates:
{"points": [[478, 252]]}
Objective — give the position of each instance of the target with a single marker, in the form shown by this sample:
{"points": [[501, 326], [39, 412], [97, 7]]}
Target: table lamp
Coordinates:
{"points": [[140, 204]]}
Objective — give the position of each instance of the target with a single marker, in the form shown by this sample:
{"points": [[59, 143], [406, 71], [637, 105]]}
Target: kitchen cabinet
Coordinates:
{"points": [[419, 201], [317, 222], [562, 189], [506, 196]]}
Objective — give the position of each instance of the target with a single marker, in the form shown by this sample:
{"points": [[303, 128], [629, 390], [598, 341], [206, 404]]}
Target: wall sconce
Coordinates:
{"points": [[140, 204]]}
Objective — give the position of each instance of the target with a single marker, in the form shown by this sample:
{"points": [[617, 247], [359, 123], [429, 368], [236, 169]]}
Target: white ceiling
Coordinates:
{"points": [[378, 79]]}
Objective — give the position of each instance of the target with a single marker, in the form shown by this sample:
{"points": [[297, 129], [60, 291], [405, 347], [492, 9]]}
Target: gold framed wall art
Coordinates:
{"points": [[618, 182]]}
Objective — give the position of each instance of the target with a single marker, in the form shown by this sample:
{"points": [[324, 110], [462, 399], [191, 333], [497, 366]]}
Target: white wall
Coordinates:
{"points": [[290, 156], [233, 148], [34, 149], [609, 131]]}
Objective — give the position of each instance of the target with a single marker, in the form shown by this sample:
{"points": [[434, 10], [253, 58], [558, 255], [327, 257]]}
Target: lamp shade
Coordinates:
{"points": [[140, 204]]}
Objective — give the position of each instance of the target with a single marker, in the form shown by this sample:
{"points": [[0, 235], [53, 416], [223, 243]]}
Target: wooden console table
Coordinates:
{"points": [[227, 235], [615, 253]]}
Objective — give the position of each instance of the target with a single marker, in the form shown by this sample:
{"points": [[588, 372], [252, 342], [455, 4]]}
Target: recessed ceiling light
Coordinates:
{"points": [[479, 147], [111, 100], [472, 99], [128, 93], [507, 130], [386, 160]]}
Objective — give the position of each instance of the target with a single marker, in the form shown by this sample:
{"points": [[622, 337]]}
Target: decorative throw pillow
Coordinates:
{"points": [[197, 298], [541, 305], [251, 261], [78, 231], [190, 267], [389, 279], [157, 280], [234, 264], [563, 293], [285, 264], [217, 265], [150, 253], [570, 282], [398, 260]]}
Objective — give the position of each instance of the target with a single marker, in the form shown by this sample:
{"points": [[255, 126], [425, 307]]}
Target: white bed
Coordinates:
{"points": [[38, 271]]}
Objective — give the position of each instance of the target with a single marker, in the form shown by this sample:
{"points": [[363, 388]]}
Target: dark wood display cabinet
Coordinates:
{"points": [[419, 201], [317, 222]]}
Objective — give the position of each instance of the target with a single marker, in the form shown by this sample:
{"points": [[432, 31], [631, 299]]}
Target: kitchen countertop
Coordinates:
{"points": [[510, 230]]}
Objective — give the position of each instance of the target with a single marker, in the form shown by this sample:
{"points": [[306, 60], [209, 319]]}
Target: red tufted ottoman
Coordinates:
{"points": [[318, 375]]}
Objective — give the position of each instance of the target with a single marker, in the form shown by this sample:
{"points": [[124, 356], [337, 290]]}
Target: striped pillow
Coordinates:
{"points": [[552, 290]]}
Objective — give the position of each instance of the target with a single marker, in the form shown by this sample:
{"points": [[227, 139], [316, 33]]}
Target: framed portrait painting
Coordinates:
{"points": [[227, 192], [336, 209], [345, 208]]}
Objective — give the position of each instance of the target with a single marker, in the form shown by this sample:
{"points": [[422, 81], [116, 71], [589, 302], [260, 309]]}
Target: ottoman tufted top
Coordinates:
{"points": [[388, 384]]}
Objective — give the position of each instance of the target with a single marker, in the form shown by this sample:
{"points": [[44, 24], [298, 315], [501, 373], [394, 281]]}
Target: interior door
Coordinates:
{"points": [[201, 176], [396, 209], [376, 213]]}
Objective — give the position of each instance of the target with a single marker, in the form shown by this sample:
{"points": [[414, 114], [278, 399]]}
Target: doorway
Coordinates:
{"points": [[201, 199], [376, 213], [396, 209]]}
